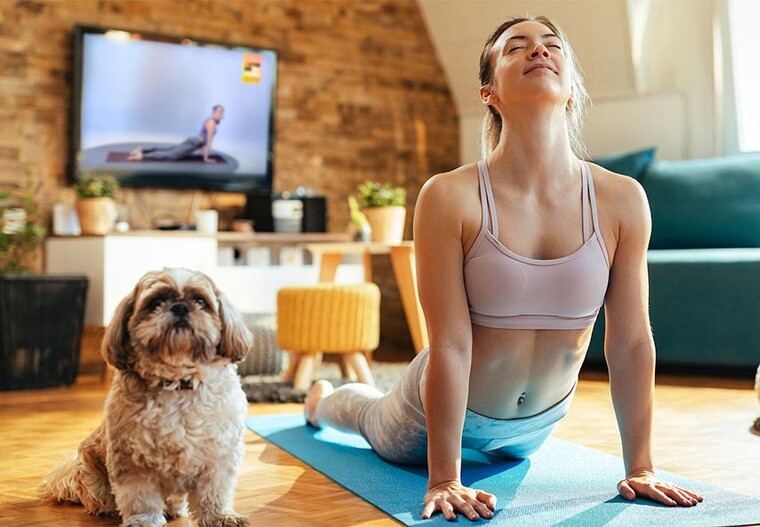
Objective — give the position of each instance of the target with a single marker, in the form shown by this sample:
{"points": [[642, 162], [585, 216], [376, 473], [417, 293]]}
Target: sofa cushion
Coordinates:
{"points": [[632, 164], [703, 309], [704, 203]]}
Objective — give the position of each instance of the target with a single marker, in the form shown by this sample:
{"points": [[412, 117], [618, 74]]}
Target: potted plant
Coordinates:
{"points": [[384, 206], [96, 207], [41, 316], [21, 230]]}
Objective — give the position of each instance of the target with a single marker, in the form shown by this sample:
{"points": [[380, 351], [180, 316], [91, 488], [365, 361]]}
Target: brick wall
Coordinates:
{"points": [[360, 95]]}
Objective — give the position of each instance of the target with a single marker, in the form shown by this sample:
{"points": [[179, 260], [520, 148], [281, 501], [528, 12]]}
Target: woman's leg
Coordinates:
{"points": [[173, 153], [393, 424]]}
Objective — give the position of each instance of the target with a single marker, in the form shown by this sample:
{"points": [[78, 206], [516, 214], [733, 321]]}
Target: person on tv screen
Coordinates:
{"points": [[188, 147], [509, 330]]}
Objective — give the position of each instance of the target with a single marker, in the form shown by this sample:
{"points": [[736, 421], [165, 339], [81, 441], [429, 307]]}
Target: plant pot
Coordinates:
{"points": [[97, 216], [387, 223], [41, 324]]}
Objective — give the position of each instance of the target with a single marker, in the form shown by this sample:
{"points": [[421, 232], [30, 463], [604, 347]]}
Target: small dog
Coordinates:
{"points": [[172, 434]]}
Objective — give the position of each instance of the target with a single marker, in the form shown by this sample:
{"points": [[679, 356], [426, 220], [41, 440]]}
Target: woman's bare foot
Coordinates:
{"points": [[136, 154], [318, 391]]}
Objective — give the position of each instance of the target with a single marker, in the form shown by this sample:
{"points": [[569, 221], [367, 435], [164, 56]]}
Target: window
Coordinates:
{"points": [[745, 53]]}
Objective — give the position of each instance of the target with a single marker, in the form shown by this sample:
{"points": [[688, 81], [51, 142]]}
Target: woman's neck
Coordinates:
{"points": [[534, 151]]}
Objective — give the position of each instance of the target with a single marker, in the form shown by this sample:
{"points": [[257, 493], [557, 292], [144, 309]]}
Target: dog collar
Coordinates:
{"points": [[182, 384]]}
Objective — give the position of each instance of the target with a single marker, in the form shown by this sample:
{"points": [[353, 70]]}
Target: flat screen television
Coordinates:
{"points": [[168, 112]]}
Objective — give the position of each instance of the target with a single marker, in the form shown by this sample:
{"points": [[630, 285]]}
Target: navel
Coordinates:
{"points": [[521, 399]]}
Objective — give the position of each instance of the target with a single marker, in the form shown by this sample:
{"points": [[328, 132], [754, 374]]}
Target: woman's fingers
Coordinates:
{"points": [[447, 509], [626, 491], [465, 508], [692, 495], [428, 510], [658, 495], [480, 508], [487, 498]]}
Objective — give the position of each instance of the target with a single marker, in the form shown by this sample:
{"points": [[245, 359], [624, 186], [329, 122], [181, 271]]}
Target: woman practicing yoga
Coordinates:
{"points": [[515, 256], [189, 146]]}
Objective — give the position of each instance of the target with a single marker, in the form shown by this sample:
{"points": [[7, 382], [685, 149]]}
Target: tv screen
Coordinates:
{"points": [[158, 111]]}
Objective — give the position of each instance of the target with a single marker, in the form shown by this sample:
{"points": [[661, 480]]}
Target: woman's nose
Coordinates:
{"points": [[540, 49]]}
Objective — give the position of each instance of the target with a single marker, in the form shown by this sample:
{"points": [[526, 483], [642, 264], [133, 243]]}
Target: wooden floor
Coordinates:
{"points": [[701, 431]]}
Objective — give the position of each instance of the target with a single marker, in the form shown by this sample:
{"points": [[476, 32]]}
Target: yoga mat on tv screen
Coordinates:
{"points": [[560, 485]]}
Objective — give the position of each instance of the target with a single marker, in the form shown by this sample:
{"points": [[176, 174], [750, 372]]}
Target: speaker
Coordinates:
{"points": [[258, 207], [314, 214]]}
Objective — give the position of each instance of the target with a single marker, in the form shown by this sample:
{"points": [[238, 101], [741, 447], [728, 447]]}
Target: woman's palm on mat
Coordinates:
{"points": [[645, 484], [451, 497]]}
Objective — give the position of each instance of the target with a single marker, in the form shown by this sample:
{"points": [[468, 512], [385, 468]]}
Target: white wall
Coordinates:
{"points": [[648, 66]]}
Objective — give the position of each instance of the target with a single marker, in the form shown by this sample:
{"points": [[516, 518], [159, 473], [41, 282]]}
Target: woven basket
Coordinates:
{"points": [[41, 324], [387, 223], [97, 216]]}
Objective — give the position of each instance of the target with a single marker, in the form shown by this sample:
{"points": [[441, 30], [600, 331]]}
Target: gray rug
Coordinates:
{"points": [[270, 388]]}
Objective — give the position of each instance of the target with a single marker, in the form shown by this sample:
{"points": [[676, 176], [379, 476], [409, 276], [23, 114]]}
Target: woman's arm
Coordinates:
{"points": [[210, 132], [440, 280], [629, 349]]}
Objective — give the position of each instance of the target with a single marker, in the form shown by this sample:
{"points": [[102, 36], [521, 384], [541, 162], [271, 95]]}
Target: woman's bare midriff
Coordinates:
{"points": [[519, 373]]}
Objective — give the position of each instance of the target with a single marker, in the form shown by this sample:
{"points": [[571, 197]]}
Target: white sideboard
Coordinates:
{"points": [[115, 262]]}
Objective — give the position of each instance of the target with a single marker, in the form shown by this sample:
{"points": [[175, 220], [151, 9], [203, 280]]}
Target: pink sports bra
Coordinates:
{"points": [[509, 291]]}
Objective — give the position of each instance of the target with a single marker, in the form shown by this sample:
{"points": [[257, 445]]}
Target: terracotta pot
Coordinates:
{"points": [[97, 216], [387, 223]]}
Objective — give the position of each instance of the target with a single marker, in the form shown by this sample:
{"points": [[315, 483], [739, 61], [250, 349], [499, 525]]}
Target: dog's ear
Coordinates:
{"points": [[236, 338], [116, 349]]}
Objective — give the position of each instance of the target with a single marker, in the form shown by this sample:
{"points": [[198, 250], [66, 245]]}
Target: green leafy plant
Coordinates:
{"points": [[21, 229], [89, 186], [357, 217], [372, 194]]}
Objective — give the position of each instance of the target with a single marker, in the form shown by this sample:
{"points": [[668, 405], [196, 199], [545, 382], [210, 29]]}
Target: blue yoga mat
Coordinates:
{"points": [[560, 485]]}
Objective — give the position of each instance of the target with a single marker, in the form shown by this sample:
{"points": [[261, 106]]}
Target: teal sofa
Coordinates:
{"points": [[704, 262]]}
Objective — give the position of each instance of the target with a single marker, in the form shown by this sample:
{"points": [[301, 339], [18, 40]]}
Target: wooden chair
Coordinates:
{"points": [[328, 318]]}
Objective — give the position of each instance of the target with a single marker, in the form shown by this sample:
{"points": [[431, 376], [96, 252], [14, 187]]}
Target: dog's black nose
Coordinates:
{"points": [[180, 309]]}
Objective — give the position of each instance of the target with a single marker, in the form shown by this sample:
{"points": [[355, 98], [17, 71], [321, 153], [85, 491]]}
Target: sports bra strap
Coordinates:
{"points": [[489, 199], [483, 198], [584, 201]]}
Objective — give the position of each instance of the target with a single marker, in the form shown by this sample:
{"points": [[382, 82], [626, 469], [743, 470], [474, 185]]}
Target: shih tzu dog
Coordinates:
{"points": [[172, 435]]}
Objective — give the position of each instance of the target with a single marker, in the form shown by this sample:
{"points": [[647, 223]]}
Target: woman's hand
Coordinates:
{"points": [[645, 484], [451, 497]]}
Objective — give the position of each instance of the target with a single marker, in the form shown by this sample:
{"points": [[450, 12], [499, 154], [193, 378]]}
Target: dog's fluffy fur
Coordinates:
{"points": [[172, 434]]}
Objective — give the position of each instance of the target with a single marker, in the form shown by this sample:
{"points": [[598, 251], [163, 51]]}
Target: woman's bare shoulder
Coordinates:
{"points": [[620, 197], [458, 184]]}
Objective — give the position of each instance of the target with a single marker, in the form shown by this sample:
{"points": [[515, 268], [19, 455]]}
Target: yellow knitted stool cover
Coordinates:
{"points": [[329, 317]]}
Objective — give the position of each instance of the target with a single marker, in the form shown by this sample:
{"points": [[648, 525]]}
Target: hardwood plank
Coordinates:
{"points": [[701, 431]]}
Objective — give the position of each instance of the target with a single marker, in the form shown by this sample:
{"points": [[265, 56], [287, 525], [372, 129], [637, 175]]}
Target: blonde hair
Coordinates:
{"points": [[491, 127]]}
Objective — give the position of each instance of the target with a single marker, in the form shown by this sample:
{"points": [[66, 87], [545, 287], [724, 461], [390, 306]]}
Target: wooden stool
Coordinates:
{"points": [[328, 318]]}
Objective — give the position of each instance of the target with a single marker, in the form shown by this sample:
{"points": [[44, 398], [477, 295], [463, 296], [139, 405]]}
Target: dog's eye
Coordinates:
{"points": [[200, 301], [156, 302]]}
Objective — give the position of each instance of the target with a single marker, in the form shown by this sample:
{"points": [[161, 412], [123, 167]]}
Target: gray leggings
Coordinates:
{"points": [[172, 153], [394, 424]]}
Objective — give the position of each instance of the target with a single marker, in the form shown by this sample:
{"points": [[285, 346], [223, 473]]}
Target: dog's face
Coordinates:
{"points": [[173, 322]]}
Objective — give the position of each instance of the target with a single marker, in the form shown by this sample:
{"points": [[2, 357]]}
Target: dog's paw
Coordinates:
{"points": [[144, 520], [224, 520], [176, 507]]}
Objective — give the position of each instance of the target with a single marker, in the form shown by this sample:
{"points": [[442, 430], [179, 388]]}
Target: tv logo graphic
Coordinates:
{"points": [[252, 68]]}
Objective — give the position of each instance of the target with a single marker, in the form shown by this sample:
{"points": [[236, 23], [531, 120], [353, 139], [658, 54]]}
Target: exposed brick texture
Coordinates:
{"points": [[361, 94]]}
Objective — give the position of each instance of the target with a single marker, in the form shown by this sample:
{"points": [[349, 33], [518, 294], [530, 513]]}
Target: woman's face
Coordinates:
{"points": [[529, 66]]}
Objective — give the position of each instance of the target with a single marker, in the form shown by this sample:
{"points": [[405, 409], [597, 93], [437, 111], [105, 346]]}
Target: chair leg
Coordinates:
{"points": [[358, 363], [290, 373], [305, 372], [346, 371]]}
